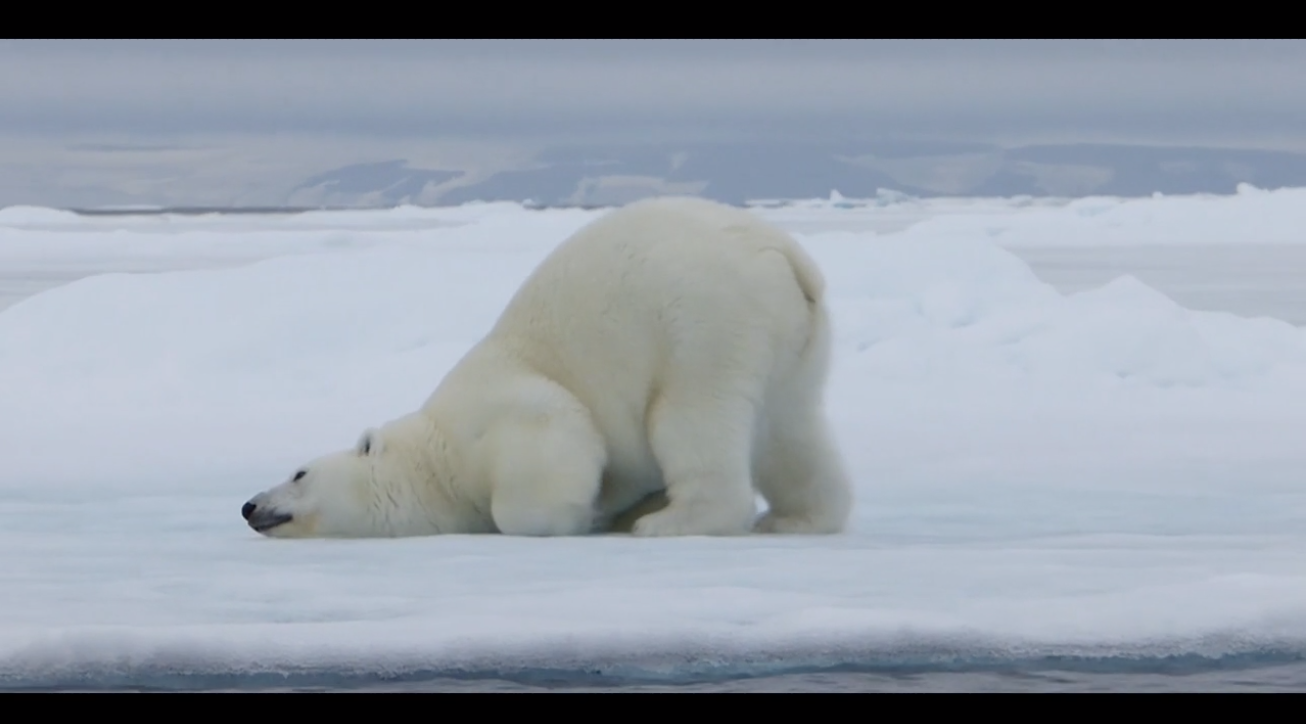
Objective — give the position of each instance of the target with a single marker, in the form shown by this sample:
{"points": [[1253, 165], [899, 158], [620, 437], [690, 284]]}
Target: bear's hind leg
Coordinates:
{"points": [[801, 476], [799, 470], [702, 443]]}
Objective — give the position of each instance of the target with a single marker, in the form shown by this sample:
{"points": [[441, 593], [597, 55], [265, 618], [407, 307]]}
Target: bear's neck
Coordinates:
{"points": [[421, 496]]}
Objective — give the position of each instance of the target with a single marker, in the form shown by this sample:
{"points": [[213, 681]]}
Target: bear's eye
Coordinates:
{"points": [[298, 474]]}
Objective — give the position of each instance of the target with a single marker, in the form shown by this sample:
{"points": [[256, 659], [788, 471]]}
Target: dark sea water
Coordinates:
{"points": [[1270, 671], [1284, 678]]}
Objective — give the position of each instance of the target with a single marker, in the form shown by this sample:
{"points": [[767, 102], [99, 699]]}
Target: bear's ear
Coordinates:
{"points": [[369, 443]]}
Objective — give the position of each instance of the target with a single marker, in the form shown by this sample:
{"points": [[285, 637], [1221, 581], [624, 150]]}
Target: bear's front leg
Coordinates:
{"points": [[546, 477]]}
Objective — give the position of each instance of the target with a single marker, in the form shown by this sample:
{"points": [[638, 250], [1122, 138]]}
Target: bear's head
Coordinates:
{"points": [[330, 497]]}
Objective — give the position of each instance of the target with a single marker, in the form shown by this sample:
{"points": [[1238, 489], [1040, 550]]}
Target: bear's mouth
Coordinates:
{"points": [[263, 522]]}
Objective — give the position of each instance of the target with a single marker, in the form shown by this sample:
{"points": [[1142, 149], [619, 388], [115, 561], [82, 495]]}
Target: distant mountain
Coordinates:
{"points": [[1143, 170], [385, 183], [740, 172], [732, 173]]}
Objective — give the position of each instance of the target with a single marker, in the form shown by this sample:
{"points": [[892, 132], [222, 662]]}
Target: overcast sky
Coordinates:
{"points": [[59, 96], [1226, 90]]}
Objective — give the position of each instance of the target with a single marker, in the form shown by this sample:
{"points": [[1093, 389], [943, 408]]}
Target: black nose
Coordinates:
{"points": [[247, 510]]}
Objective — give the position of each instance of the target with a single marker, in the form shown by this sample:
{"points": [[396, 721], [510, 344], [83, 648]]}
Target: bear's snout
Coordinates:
{"points": [[263, 518]]}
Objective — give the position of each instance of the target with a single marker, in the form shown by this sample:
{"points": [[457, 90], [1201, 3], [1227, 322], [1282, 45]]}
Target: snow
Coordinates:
{"points": [[1103, 474]]}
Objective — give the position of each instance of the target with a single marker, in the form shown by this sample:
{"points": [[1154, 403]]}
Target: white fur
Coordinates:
{"points": [[651, 374]]}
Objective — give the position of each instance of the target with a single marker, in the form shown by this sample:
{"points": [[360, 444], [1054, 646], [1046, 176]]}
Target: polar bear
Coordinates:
{"points": [[653, 373]]}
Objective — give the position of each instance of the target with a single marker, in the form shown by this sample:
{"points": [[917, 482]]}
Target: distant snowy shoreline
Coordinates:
{"points": [[835, 200]]}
